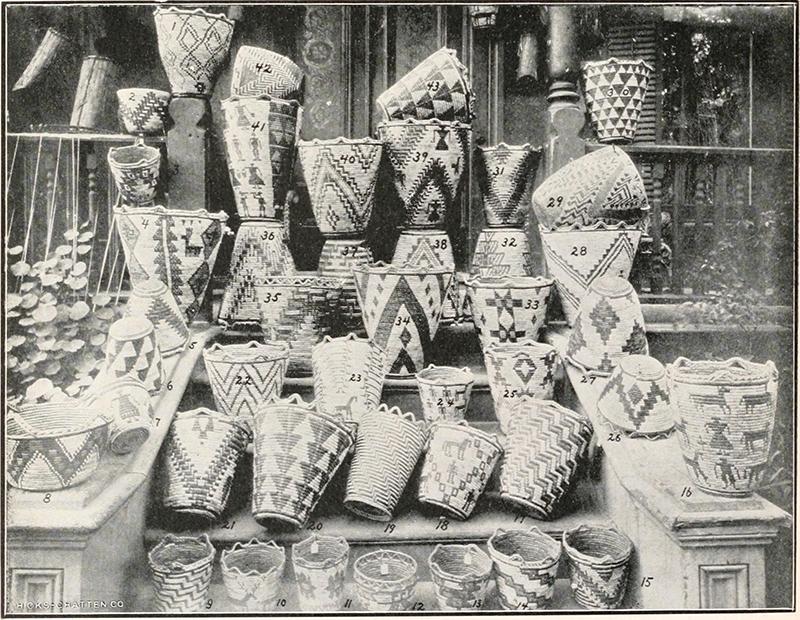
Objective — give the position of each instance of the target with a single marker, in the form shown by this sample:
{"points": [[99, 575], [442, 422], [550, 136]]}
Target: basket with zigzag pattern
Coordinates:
{"points": [[505, 176], [180, 568], [258, 71], [336, 260], [501, 252], [143, 111]]}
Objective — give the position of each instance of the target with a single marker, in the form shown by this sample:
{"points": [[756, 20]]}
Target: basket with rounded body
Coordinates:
{"points": [[724, 414], [175, 246], [258, 71], [135, 170], [518, 369], [636, 397], [143, 111], [260, 135], [348, 376], [340, 175], [244, 376], [609, 326], [508, 309], [444, 392], [602, 186], [201, 453], [544, 446], [55, 445], [320, 567], [505, 175], [576, 256], [337, 259], [125, 403], [388, 446], [525, 564], [501, 252], [193, 45], [296, 451], [461, 575], [401, 306], [615, 90], [153, 300], [438, 87], [427, 159], [252, 573], [458, 462], [599, 562], [385, 580], [132, 351], [180, 567], [48, 50]]}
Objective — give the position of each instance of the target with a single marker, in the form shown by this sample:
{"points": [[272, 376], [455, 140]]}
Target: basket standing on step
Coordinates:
{"points": [[181, 569], [461, 575], [252, 573], [444, 392], [385, 580], [126, 404], [320, 566], [153, 300], [132, 351]]}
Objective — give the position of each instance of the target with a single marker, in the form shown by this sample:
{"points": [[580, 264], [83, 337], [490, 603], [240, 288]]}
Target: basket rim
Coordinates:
{"points": [[253, 543], [298, 549], [416, 122], [605, 560], [145, 89], [174, 539], [516, 559], [296, 403], [599, 226], [592, 64], [528, 343], [160, 210], [264, 97], [464, 426], [510, 282], [380, 554], [467, 378], [142, 327], [548, 403], [504, 146], [151, 155], [217, 416], [470, 548], [405, 269], [87, 423], [720, 372], [339, 141], [293, 65], [197, 11], [236, 352]]}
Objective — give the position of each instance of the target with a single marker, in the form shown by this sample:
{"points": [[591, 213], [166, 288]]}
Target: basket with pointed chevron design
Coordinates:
{"points": [[385, 580], [259, 71], [143, 111], [501, 252], [526, 565], [599, 562], [337, 259], [320, 567], [132, 351], [296, 451], [544, 447], [245, 376], [201, 453], [388, 446], [252, 573], [461, 575], [181, 569], [505, 175], [153, 300]]}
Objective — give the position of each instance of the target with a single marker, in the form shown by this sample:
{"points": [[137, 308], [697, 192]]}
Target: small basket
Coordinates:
{"points": [[500, 253], [143, 110], [320, 566], [201, 453], [132, 351], [526, 564], [135, 170], [336, 260], [153, 300], [505, 176], [460, 575], [258, 71], [385, 580], [181, 569], [126, 404], [444, 392], [599, 560], [252, 573]]}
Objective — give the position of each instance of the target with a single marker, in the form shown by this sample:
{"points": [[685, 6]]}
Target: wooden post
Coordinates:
{"points": [[187, 146]]}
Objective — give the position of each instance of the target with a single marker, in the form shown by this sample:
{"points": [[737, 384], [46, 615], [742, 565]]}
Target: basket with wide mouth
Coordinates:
{"points": [[180, 567], [385, 580], [461, 575], [135, 170], [252, 572], [444, 392], [320, 566]]}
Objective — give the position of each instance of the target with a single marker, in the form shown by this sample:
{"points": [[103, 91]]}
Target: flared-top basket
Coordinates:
{"points": [[320, 567], [505, 177], [180, 568], [258, 71], [461, 575], [153, 300], [135, 170], [252, 572], [143, 111], [501, 252], [385, 580]]}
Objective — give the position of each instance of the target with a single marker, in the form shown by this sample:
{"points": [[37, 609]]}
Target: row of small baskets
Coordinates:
{"points": [[522, 564]]}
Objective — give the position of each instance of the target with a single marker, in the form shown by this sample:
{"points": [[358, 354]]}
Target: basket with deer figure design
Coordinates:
{"points": [[599, 563], [258, 71], [505, 175], [201, 453], [296, 451], [444, 392], [461, 576], [388, 446], [501, 252], [143, 111], [320, 567], [526, 565], [181, 568], [458, 463], [153, 300], [125, 403], [252, 573], [545, 444], [135, 170], [132, 351], [385, 580], [724, 414]]}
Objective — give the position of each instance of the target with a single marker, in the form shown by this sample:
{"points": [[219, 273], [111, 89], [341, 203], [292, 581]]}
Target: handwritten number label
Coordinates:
{"points": [[169, 386], [647, 582], [269, 236], [519, 518], [442, 524], [614, 437], [347, 159], [46, 498], [578, 251], [440, 244], [555, 202], [686, 492], [314, 526], [532, 304], [270, 297], [420, 156], [585, 379], [433, 85], [281, 602], [355, 377], [509, 242], [510, 393], [263, 68], [402, 321], [418, 606], [193, 345], [209, 603], [227, 525], [498, 170], [389, 528], [258, 126], [243, 380]]}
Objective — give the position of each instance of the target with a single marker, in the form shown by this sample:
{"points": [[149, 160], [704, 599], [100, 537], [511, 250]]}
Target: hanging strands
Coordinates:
{"points": [[33, 206], [51, 217]]}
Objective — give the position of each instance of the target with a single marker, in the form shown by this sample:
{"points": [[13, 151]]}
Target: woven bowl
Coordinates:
{"points": [[461, 575], [252, 572], [385, 580]]}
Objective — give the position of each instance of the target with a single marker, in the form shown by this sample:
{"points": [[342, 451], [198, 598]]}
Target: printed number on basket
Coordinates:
{"points": [[418, 606], [268, 235], [264, 68], [420, 156], [441, 402], [401, 320], [614, 437], [442, 524], [281, 602], [209, 603], [389, 528], [578, 251], [344, 158], [498, 170], [686, 492], [477, 603], [270, 297], [355, 377], [227, 525], [433, 85], [555, 202], [240, 380], [258, 126], [314, 526], [532, 304], [440, 244], [509, 242], [586, 379]]}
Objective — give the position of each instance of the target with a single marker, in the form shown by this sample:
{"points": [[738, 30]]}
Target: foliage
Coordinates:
{"points": [[56, 330]]}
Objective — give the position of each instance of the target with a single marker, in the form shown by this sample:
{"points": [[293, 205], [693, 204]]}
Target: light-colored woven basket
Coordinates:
{"points": [[153, 300], [505, 176], [143, 111], [445, 392], [461, 575], [320, 567], [252, 572], [385, 580], [501, 252], [180, 568], [135, 169], [126, 404], [336, 260], [132, 351], [258, 71]]}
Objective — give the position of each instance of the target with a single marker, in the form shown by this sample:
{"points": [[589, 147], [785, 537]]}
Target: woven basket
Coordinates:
{"points": [[126, 404], [401, 306], [52, 446], [348, 376], [427, 160], [296, 452], [615, 90], [181, 569], [252, 573], [244, 376], [175, 246], [337, 259], [501, 252], [385, 580], [135, 170], [458, 462], [50, 47], [636, 397], [724, 414], [609, 326], [603, 186], [258, 71], [505, 176], [388, 446], [193, 46], [444, 392], [438, 87], [132, 351], [153, 300], [340, 175], [576, 256], [544, 446], [143, 111], [92, 105], [518, 369], [201, 453], [598, 565], [461, 575], [526, 565], [320, 567], [260, 135]]}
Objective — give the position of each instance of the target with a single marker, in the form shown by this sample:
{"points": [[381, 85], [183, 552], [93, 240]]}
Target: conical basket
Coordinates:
{"points": [[505, 176], [258, 71], [501, 252], [461, 575], [320, 567], [252, 573], [153, 300], [180, 567]]}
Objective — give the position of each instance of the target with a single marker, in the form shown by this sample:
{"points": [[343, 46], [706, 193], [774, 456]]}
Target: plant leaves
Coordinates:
{"points": [[50, 279], [79, 268], [44, 314], [15, 250], [27, 286], [15, 341], [77, 283], [13, 300], [29, 300], [85, 236], [20, 269], [83, 249], [26, 320], [79, 310], [38, 389], [12, 314], [47, 299], [70, 235], [63, 250], [73, 346], [97, 339], [11, 361], [48, 343], [105, 313], [85, 380], [37, 356], [70, 332], [52, 368], [101, 299], [65, 263], [73, 389], [45, 329]]}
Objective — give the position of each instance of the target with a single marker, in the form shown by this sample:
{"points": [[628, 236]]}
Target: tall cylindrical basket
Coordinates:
{"points": [[181, 569]]}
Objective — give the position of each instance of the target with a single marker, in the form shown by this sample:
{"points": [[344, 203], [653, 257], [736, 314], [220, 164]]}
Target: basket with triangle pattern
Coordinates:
{"points": [[320, 567], [385, 580], [258, 71], [501, 252], [153, 300], [461, 575], [135, 169], [132, 351], [143, 111], [252, 573], [337, 259], [180, 568], [126, 404], [505, 175]]}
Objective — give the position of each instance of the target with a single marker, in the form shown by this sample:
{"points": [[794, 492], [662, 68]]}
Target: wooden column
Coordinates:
{"points": [[187, 145]]}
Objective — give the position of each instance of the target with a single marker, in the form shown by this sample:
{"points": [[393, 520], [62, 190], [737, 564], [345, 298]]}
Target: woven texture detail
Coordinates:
{"points": [[337, 260], [598, 565], [258, 71], [154, 301], [505, 175], [320, 568], [444, 392], [501, 252], [143, 110], [385, 580], [252, 573], [461, 576], [180, 569], [132, 351], [135, 170]]}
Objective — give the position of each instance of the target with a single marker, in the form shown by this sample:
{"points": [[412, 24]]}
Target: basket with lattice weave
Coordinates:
{"points": [[385, 580]]}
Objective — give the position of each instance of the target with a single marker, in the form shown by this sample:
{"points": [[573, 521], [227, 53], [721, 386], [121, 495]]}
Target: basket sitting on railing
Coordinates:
{"points": [[460, 576], [385, 580], [181, 569], [252, 572]]}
